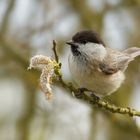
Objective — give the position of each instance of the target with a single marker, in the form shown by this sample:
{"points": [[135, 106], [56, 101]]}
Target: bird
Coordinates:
{"points": [[95, 66]]}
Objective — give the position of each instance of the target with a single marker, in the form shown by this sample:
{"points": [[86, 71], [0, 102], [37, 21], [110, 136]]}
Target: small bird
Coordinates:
{"points": [[96, 67]]}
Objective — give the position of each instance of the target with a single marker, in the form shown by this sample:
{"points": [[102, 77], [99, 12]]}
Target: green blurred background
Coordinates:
{"points": [[27, 28]]}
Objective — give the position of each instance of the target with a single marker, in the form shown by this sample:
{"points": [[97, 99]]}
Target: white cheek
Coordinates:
{"points": [[97, 51]]}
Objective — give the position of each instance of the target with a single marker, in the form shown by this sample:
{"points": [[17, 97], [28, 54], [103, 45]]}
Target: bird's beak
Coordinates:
{"points": [[70, 43]]}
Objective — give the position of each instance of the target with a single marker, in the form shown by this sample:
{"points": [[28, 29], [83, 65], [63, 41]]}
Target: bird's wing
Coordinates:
{"points": [[114, 62]]}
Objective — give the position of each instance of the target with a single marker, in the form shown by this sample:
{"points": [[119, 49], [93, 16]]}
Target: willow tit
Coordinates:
{"points": [[95, 66]]}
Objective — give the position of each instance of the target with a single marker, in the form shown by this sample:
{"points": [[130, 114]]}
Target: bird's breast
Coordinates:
{"points": [[90, 78]]}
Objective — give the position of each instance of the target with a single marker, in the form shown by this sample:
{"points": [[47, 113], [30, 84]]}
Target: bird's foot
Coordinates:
{"points": [[92, 94], [94, 97], [80, 93]]}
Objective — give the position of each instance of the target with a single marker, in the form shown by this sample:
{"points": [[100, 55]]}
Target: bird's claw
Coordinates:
{"points": [[96, 98], [80, 94]]}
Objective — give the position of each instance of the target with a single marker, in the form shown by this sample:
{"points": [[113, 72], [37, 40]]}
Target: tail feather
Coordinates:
{"points": [[133, 52]]}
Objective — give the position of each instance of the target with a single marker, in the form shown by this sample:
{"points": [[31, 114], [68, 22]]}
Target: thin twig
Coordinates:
{"points": [[93, 100], [55, 51]]}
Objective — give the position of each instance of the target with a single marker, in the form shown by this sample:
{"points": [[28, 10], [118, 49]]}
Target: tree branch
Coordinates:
{"points": [[55, 51], [93, 100], [51, 72]]}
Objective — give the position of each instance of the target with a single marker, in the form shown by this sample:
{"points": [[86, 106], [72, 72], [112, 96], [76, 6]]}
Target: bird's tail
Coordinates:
{"points": [[133, 52]]}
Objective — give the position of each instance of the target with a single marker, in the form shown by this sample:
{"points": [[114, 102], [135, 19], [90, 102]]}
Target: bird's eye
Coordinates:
{"points": [[74, 46], [84, 41]]}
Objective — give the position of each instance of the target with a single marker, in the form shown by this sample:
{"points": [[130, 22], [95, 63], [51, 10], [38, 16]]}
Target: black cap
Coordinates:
{"points": [[87, 36]]}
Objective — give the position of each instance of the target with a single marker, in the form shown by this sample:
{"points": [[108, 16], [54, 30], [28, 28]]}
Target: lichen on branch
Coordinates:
{"points": [[51, 72]]}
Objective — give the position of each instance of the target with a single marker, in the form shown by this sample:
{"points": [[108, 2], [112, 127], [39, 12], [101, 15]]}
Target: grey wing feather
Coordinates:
{"points": [[114, 64], [106, 69], [116, 61]]}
